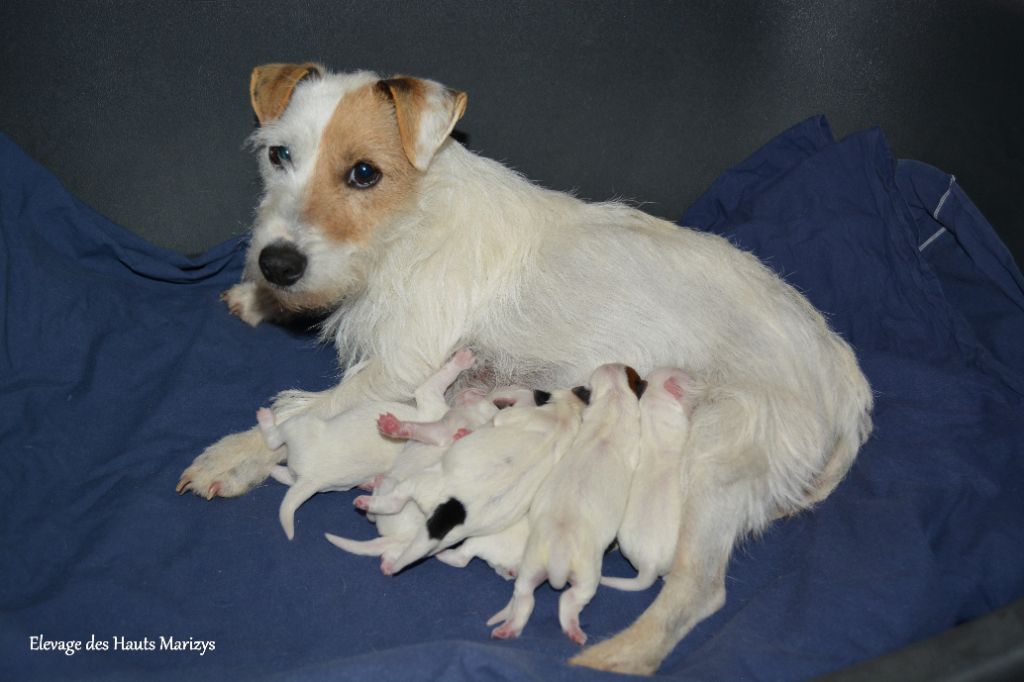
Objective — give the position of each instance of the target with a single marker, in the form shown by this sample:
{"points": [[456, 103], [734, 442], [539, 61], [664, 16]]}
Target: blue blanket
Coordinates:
{"points": [[118, 364]]}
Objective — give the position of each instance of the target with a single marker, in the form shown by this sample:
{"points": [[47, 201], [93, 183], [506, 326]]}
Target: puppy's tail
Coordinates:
{"points": [[374, 547], [293, 499], [644, 579]]}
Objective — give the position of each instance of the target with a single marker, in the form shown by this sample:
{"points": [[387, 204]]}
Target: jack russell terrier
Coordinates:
{"points": [[418, 246]]}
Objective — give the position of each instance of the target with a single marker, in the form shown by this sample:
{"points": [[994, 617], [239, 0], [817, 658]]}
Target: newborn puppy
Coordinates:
{"points": [[428, 441], [315, 445], [650, 527], [579, 508], [487, 478]]}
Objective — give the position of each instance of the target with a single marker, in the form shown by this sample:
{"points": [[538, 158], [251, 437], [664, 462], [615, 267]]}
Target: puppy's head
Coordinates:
{"points": [[612, 379], [341, 156]]}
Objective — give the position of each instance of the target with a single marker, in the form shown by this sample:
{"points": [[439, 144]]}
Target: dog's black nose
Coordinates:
{"points": [[282, 264]]}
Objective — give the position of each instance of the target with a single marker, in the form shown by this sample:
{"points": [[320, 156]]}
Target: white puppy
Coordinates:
{"points": [[419, 246], [579, 508], [344, 451], [650, 526], [487, 479]]}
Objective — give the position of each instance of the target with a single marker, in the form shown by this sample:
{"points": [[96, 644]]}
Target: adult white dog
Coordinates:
{"points": [[421, 247]]}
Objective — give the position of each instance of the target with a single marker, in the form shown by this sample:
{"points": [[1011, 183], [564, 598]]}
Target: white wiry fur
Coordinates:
{"points": [[545, 288]]}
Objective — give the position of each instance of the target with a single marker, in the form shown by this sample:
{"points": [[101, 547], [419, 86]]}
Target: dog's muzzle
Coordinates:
{"points": [[282, 264]]}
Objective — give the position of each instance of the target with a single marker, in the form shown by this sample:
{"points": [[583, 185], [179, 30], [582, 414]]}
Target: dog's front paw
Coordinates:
{"points": [[229, 467], [617, 656], [245, 301]]}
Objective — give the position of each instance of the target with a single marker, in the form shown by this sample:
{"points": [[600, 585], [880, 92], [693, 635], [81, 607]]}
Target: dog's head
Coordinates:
{"points": [[341, 156]]}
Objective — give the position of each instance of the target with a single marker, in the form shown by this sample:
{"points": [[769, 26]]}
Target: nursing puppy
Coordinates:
{"points": [[487, 479], [650, 525], [317, 461], [428, 441], [578, 509], [419, 246]]}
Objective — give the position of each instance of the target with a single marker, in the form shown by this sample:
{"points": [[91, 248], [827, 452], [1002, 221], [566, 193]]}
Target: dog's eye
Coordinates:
{"points": [[279, 155], [363, 176]]}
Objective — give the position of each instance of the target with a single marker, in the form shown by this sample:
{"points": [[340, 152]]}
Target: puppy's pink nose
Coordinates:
{"points": [[282, 264]]}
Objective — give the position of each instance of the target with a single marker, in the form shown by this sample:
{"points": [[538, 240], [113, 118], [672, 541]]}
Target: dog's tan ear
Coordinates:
{"points": [[271, 86], [427, 111]]}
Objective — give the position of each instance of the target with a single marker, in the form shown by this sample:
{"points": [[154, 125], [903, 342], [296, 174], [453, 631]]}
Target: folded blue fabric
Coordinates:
{"points": [[119, 364]]}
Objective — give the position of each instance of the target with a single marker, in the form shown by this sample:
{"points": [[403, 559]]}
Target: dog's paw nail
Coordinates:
{"points": [[183, 485], [213, 490]]}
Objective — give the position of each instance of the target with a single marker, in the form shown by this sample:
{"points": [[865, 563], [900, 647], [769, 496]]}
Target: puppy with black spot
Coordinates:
{"points": [[650, 526], [487, 479], [425, 445], [314, 464], [579, 508]]}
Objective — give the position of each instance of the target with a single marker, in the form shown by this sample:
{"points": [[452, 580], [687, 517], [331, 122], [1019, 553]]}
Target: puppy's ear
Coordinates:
{"points": [[271, 86], [636, 384], [583, 393], [426, 111]]}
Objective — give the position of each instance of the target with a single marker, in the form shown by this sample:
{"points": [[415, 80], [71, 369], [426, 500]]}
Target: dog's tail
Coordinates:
{"points": [[644, 579], [853, 426], [297, 494], [374, 547]]}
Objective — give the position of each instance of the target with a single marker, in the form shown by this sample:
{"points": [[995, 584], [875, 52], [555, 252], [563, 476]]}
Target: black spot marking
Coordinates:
{"points": [[583, 393], [445, 517], [541, 397]]}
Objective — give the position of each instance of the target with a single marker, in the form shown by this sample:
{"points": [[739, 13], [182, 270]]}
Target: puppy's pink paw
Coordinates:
{"points": [[576, 633], [674, 389], [461, 433], [463, 358], [389, 425], [387, 567], [505, 631], [362, 502]]}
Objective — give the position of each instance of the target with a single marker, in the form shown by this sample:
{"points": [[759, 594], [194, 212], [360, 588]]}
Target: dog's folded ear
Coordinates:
{"points": [[271, 86], [426, 111]]}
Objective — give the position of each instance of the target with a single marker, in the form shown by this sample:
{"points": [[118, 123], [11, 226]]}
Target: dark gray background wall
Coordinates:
{"points": [[141, 108]]}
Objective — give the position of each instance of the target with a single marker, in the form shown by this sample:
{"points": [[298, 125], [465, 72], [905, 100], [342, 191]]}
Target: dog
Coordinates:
{"points": [[487, 479], [579, 508], [416, 246], [650, 525]]}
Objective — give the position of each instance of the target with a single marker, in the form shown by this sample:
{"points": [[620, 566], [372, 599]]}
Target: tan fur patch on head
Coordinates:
{"points": [[363, 128], [271, 86]]}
